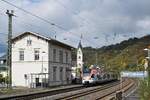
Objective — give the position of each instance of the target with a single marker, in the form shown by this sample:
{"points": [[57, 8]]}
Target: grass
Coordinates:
{"points": [[144, 89]]}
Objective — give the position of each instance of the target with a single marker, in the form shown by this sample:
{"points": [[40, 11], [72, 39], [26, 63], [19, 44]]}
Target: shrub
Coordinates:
{"points": [[144, 89]]}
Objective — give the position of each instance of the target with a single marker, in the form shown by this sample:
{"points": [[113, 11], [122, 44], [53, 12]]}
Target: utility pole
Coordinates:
{"points": [[10, 14]]}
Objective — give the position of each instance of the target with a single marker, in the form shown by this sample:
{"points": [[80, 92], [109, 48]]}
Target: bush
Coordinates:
{"points": [[144, 89], [2, 79]]}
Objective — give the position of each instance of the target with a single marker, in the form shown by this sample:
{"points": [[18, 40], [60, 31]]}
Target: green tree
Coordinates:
{"points": [[2, 79]]}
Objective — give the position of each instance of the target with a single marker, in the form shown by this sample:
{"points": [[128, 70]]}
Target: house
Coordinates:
{"points": [[3, 66], [38, 61]]}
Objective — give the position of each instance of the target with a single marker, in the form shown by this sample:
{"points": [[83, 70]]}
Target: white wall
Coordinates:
{"points": [[79, 61], [29, 65]]}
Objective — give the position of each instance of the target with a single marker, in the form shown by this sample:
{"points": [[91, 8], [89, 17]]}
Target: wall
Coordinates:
{"points": [[29, 65], [65, 65]]}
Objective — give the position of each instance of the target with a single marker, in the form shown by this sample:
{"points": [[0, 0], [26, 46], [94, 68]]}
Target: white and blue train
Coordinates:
{"points": [[96, 76]]}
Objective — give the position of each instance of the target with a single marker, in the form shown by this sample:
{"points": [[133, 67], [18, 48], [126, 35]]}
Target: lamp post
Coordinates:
{"points": [[42, 69]]}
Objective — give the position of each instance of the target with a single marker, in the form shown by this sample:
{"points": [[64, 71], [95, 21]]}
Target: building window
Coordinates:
{"points": [[66, 57], [61, 56], [79, 52], [21, 55], [36, 54], [54, 73], [1, 62], [29, 42], [61, 74], [54, 55], [79, 57], [79, 64]]}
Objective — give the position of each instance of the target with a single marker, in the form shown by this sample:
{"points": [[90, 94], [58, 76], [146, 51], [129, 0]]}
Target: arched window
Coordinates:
{"points": [[79, 57]]}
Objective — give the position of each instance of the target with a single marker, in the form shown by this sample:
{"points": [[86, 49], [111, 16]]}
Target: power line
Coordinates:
{"points": [[41, 18], [34, 15], [74, 12]]}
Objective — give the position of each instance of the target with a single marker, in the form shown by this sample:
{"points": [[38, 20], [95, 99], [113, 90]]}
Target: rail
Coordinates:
{"points": [[98, 93]]}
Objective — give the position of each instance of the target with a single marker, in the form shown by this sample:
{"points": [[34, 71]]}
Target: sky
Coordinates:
{"points": [[98, 22]]}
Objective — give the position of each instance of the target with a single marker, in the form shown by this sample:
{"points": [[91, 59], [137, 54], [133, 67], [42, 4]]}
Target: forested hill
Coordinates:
{"points": [[128, 54]]}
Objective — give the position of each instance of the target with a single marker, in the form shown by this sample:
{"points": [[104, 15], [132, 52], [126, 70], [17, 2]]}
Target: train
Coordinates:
{"points": [[97, 75]]}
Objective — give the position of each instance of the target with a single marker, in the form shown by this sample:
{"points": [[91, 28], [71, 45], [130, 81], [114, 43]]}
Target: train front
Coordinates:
{"points": [[88, 77]]}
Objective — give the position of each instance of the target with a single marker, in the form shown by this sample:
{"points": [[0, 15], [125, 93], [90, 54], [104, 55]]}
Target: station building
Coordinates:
{"points": [[40, 61]]}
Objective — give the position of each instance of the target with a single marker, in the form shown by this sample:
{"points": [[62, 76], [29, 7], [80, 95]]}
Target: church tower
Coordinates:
{"points": [[79, 57]]}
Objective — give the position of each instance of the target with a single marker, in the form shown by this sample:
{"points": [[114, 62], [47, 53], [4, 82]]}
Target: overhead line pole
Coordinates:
{"points": [[9, 49]]}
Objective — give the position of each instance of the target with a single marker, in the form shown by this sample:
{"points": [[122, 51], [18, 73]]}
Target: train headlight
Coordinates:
{"points": [[91, 80]]}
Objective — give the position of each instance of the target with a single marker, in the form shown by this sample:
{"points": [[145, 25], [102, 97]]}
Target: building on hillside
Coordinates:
{"points": [[79, 60], [79, 56], [39, 61], [3, 66], [77, 69]]}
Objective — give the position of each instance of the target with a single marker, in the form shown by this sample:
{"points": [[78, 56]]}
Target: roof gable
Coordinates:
{"points": [[29, 33], [53, 41]]}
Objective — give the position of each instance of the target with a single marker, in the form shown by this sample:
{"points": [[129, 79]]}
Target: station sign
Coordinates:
{"points": [[136, 74]]}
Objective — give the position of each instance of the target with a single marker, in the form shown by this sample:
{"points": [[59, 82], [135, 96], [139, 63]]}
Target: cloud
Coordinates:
{"points": [[110, 20]]}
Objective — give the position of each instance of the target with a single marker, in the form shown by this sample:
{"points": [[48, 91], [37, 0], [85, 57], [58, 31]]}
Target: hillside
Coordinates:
{"points": [[127, 55]]}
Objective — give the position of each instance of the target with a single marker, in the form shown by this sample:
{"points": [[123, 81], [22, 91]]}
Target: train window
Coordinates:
{"points": [[113, 76], [92, 76], [104, 76], [98, 76], [108, 76]]}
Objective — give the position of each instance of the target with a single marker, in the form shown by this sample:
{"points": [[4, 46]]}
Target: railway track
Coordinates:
{"points": [[88, 92], [98, 93], [65, 94], [112, 91], [41, 94]]}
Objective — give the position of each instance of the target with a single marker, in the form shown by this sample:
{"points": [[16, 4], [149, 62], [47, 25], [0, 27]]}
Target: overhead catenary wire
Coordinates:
{"points": [[45, 20], [74, 12], [41, 18]]}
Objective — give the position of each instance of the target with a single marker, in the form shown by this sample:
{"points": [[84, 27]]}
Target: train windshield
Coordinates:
{"points": [[86, 72]]}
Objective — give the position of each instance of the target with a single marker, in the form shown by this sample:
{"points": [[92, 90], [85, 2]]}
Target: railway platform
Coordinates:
{"points": [[19, 91]]}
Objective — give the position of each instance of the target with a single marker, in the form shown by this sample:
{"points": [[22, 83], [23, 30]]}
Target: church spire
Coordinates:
{"points": [[80, 45]]}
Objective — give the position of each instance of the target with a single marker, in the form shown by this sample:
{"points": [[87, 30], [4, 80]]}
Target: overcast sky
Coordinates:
{"points": [[111, 21]]}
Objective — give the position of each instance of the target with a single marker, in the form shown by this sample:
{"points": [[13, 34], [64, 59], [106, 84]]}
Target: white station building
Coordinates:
{"points": [[40, 61]]}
